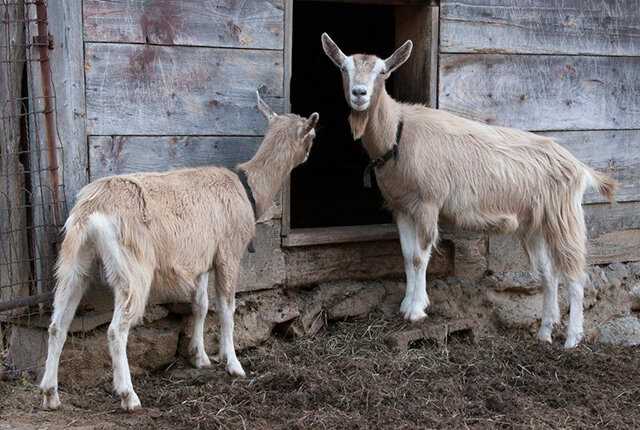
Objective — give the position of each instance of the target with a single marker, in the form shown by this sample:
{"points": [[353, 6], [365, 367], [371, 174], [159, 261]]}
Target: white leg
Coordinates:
{"points": [[575, 329], [541, 257], [227, 349], [68, 295], [199, 306], [407, 231], [117, 334], [227, 269], [420, 298]]}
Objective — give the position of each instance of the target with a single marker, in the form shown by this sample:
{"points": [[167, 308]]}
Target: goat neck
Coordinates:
{"points": [[377, 125], [265, 178]]}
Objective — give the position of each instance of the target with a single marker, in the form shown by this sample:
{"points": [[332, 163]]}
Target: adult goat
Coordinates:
{"points": [[161, 234], [431, 164]]}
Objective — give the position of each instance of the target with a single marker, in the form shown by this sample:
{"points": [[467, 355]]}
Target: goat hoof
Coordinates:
{"points": [[572, 340], [405, 306], [415, 315], [51, 400], [200, 361], [129, 401], [544, 335], [235, 369]]}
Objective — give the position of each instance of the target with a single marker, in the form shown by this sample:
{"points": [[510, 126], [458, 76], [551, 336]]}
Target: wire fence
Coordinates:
{"points": [[32, 203]]}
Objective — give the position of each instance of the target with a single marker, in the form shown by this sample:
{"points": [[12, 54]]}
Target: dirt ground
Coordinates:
{"points": [[348, 378]]}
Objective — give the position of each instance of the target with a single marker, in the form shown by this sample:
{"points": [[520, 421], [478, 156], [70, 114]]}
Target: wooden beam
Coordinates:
{"points": [[361, 261], [255, 24], [67, 74], [417, 80], [599, 27], [288, 50], [542, 92], [349, 234]]}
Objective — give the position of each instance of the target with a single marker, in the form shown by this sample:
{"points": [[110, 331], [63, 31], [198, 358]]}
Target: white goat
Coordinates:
{"points": [[431, 164], [162, 233]]}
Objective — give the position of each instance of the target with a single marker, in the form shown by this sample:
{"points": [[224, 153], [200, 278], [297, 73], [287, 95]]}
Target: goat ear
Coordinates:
{"points": [[263, 107], [398, 58], [310, 123], [332, 50]]}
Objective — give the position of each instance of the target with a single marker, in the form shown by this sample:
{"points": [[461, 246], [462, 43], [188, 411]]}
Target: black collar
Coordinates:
{"points": [[382, 160], [247, 189]]}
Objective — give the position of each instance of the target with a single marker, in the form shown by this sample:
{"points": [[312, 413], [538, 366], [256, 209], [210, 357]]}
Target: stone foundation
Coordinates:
{"points": [[505, 300]]}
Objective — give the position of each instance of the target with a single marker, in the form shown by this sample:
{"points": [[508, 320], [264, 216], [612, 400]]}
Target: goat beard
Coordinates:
{"points": [[358, 121]]}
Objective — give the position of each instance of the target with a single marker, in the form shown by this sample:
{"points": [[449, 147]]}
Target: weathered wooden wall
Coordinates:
{"points": [[172, 84], [568, 69]]}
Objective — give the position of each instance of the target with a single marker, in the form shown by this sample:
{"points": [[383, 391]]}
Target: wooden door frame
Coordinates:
{"points": [[424, 61]]}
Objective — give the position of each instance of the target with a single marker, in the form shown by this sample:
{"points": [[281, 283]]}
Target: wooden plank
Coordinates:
{"points": [[226, 23], [542, 92], [359, 261], [67, 74], [115, 155], [14, 244], [285, 194], [326, 235], [265, 268], [601, 27], [156, 90], [383, 2], [45, 154], [417, 79], [614, 236], [615, 152]]}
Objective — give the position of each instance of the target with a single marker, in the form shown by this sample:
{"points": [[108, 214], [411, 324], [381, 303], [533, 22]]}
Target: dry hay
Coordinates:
{"points": [[348, 378]]}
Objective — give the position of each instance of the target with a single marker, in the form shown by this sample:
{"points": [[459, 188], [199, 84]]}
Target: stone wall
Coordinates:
{"points": [[494, 303]]}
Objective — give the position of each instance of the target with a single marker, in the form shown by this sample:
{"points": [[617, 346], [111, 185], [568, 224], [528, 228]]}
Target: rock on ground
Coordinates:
{"points": [[623, 331]]}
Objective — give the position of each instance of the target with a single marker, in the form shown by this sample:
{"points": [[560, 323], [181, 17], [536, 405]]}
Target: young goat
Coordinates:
{"points": [[162, 233], [431, 164]]}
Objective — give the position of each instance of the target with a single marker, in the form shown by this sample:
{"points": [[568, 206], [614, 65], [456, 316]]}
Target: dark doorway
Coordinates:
{"points": [[328, 190]]}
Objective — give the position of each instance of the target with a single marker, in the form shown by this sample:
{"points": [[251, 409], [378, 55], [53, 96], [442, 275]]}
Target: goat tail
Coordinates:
{"points": [[74, 262], [604, 184], [127, 280]]}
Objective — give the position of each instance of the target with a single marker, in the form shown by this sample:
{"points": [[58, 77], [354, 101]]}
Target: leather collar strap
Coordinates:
{"points": [[247, 189], [382, 160]]}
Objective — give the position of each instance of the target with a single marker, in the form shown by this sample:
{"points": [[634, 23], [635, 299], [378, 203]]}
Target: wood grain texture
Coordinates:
{"points": [[156, 90], [542, 92], [613, 231], [615, 152], [285, 194], [417, 80], [14, 244], [67, 74], [226, 23], [265, 268], [601, 27], [361, 261], [115, 155]]}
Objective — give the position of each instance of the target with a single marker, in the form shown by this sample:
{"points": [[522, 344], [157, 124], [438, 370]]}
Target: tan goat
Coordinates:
{"points": [[431, 164], [161, 234]]}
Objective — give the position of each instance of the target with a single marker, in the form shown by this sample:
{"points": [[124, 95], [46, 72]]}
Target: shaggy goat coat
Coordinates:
{"points": [[481, 177], [161, 234]]}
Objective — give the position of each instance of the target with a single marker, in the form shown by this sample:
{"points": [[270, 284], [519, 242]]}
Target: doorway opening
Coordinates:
{"points": [[328, 190]]}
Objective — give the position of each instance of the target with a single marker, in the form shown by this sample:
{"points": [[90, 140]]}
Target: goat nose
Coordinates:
{"points": [[359, 91]]}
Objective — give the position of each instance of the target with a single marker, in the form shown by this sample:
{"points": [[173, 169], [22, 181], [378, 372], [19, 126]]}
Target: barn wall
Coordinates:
{"points": [[568, 69], [172, 84]]}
